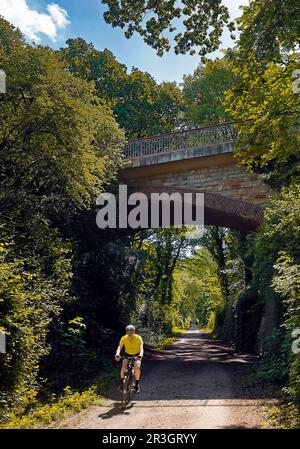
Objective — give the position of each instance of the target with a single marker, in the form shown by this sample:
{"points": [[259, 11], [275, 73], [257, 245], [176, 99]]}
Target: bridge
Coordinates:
{"points": [[199, 160]]}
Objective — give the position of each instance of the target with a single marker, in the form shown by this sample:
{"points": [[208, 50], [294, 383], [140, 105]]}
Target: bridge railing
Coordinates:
{"points": [[180, 140]]}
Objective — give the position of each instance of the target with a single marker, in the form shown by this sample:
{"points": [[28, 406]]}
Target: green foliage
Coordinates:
{"points": [[278, 236], [266, 110], [59, 146], [204, 93], [277, 264], [58, 142], [287, 283], [198, 297], [28, 301], [45, 414], [140, 288], [156, 306], [276, 358], [282, 222], [270, 28], [33, 413], [160, 341], [202, 21], [262, 101], [284, 226], [141, 105]]}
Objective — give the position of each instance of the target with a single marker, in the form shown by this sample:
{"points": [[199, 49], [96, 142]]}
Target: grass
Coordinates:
{"points": [[285, 415], [178, 331], [43, 415], [167, 341]]}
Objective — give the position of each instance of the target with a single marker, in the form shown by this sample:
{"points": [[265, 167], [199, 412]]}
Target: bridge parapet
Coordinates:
{"points": [[181, 140]]}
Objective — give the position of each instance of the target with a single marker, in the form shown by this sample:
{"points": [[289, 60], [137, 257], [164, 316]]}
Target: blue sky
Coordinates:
{"points": [[51, 22]]}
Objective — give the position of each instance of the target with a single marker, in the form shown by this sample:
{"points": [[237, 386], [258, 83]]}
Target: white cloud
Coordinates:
{"points": [[58, 14], [32, 22]]}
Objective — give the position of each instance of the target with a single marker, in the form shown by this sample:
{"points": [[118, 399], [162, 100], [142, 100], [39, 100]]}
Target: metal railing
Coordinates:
{"points": [[180, 140]]}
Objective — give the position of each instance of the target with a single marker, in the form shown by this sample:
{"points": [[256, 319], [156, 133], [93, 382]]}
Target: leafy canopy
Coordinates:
{"points": [[204, 93], [266, 110], [263, 101], [270, 27], [57, 138], [201, 23], [141, 105]]}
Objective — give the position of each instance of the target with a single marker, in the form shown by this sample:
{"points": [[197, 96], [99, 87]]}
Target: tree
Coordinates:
{"points": [[141, 105], [203, 23], [101, 67], [271, 28], [198, 293], [145, 108], [164, 249], [269, 25], [57, 138], [204, 93], [266, 112], [263, 102], [277, 276], [10, 37], [214, 240], [59, 146]]}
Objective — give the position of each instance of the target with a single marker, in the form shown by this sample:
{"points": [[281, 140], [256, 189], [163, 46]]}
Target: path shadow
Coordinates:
{"points": [[116, 410]]}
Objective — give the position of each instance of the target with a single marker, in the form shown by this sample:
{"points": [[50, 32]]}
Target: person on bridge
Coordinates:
{"points": [[133, 346]]}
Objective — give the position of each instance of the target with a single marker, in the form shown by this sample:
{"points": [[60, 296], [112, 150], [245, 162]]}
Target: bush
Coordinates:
{"points": [[276, 357], [44, 415]]}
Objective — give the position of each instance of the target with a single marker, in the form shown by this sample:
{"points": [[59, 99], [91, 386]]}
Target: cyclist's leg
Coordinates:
{"points": [[123, 368], [137, 369], [122, 372]]}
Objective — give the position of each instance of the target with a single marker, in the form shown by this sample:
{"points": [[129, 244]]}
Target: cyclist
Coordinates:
{"points": [[133, 346]]}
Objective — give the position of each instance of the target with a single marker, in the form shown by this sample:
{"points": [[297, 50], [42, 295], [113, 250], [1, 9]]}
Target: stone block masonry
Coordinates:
{"points": [[218, 173]]}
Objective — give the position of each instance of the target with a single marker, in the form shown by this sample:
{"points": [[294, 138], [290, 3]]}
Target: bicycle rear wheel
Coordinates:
{"points": [[132, 388], [126, 393]]}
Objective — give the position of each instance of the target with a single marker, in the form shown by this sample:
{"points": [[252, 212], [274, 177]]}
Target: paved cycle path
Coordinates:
{"points": [[197, 383]]}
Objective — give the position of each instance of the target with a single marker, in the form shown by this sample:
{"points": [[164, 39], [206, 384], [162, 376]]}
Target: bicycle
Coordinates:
{"points": [[128, 388]]}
